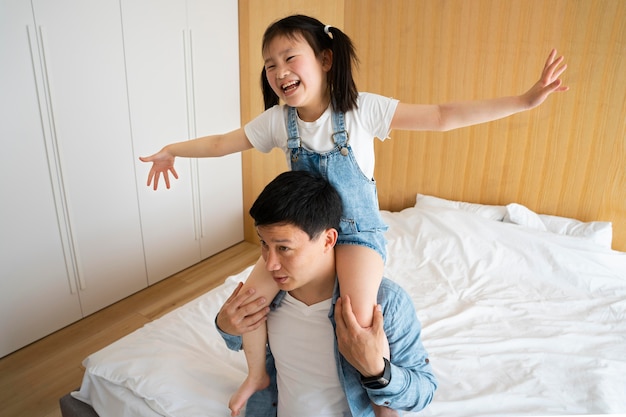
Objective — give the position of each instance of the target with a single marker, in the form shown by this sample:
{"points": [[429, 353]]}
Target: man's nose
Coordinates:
{"points": [[271, 261]]}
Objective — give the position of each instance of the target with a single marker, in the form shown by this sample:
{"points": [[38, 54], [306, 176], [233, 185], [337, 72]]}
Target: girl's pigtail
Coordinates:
{"points": [[270, 99], [343, 89]]}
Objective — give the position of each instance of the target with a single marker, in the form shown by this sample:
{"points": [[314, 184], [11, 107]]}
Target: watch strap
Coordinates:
{"points": [[377, 382]]}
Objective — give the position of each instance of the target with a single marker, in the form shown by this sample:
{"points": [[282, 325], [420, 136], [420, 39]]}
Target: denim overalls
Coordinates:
{"points": [[361, 223]]}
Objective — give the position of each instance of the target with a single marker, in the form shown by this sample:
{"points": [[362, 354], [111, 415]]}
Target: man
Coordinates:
{"points": [[296, 217]]}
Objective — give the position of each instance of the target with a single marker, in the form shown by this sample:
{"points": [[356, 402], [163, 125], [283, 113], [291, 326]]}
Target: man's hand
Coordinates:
{"points": [[364, 348], [241, 313]]}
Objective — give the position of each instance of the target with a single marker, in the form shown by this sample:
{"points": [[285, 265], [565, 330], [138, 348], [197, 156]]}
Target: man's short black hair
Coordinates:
{"points": [[299, 198]]}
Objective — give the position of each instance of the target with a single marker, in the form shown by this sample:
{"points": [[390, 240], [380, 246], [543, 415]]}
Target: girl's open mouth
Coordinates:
{"points": [[290, 86]]}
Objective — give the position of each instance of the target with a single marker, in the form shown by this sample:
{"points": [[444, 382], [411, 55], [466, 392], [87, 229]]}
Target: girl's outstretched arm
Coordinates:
{"points": [[207, 146], [455, 115]]}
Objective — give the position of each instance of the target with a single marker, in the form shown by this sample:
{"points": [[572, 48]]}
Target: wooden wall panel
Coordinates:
{"points": [[566, 157]]}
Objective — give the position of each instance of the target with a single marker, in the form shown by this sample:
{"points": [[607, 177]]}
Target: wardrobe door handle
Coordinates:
{"points": [[192, 131], [192, 91], [67, 237]]}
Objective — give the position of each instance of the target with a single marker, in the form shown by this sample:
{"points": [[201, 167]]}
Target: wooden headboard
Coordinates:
{"points": [[567, 157]]}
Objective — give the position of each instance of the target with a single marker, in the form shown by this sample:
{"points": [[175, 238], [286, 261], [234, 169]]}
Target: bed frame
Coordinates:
{"points": [[71, 407]]}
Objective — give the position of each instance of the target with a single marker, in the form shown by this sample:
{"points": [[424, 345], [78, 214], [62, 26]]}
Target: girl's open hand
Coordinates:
{"points": [[549, 81], [162, 164]]}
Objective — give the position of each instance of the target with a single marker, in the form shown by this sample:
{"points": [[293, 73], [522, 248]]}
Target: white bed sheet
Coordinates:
{"points": [[517, 322], [116, 399]]}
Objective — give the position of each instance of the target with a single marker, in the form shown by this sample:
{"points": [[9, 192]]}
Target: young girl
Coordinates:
{"points": [[325, 125]]}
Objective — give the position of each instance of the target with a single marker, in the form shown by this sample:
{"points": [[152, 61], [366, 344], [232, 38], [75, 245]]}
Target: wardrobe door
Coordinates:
{"points": [[214, 33], [83, 57], [156, 43], [174, 69], [36, 294]]}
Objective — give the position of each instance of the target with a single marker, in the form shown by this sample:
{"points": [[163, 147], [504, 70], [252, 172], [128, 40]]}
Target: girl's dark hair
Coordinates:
{"points": [[343, 92], [299, 198]]}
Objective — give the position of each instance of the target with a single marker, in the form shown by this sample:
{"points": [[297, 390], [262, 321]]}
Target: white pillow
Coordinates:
{"points": [[483, 210], [598, 232], [431, 201], [518, 214]]}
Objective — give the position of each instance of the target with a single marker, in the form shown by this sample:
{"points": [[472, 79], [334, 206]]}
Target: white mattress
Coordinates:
{"points": [[517, 321]]}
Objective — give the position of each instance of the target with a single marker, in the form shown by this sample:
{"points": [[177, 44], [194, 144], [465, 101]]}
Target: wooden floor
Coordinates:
{"points": [[34, 378]]}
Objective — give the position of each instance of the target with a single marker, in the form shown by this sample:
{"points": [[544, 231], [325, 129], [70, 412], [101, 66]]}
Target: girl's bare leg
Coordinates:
{"points": [[254, 342], [360, 272]]}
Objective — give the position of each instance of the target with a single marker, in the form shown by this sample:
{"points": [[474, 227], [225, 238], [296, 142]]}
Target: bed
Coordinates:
{"points": [[523, 315]]}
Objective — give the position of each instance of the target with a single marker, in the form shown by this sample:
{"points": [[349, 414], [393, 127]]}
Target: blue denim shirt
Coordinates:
{"points": [[412, 384]]}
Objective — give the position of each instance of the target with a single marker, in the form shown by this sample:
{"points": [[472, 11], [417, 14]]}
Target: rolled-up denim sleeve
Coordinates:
{"points": [[232, 342], [413, 383]]}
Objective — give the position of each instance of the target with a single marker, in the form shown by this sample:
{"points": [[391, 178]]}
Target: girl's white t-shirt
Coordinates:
{"points": [[371, 119], [302, 340]]}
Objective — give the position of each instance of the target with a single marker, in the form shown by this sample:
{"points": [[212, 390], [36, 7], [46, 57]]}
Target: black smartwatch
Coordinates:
{"points": [[377, 382]]}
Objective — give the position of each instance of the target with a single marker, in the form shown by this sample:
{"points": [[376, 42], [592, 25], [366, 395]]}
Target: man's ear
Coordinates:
{"points": [[330, 238]]}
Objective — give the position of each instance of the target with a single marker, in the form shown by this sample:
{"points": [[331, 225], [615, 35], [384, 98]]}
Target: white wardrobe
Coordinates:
{"points": [[87, 87], [183, 82]]}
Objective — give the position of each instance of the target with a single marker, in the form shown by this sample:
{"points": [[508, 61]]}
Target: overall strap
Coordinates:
{"points": [[293, 136], [340, 136]]}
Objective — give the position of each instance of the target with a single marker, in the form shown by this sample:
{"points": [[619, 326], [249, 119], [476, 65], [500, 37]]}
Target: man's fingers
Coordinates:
{"points": [[242, 308], [246, 303], [253, 307], [378, 320], [253, 321], [235, 292], [339, 315], [347, 315]]}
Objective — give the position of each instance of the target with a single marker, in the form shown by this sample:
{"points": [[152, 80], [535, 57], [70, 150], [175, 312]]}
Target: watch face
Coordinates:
{"points": [[383, 381]]}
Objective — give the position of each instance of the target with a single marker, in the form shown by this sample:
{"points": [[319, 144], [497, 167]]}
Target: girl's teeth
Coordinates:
{"points": [[290, 86]]}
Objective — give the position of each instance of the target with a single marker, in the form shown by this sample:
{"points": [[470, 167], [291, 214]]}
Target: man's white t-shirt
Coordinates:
{"points": [[371, 119], [302, 341]]}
